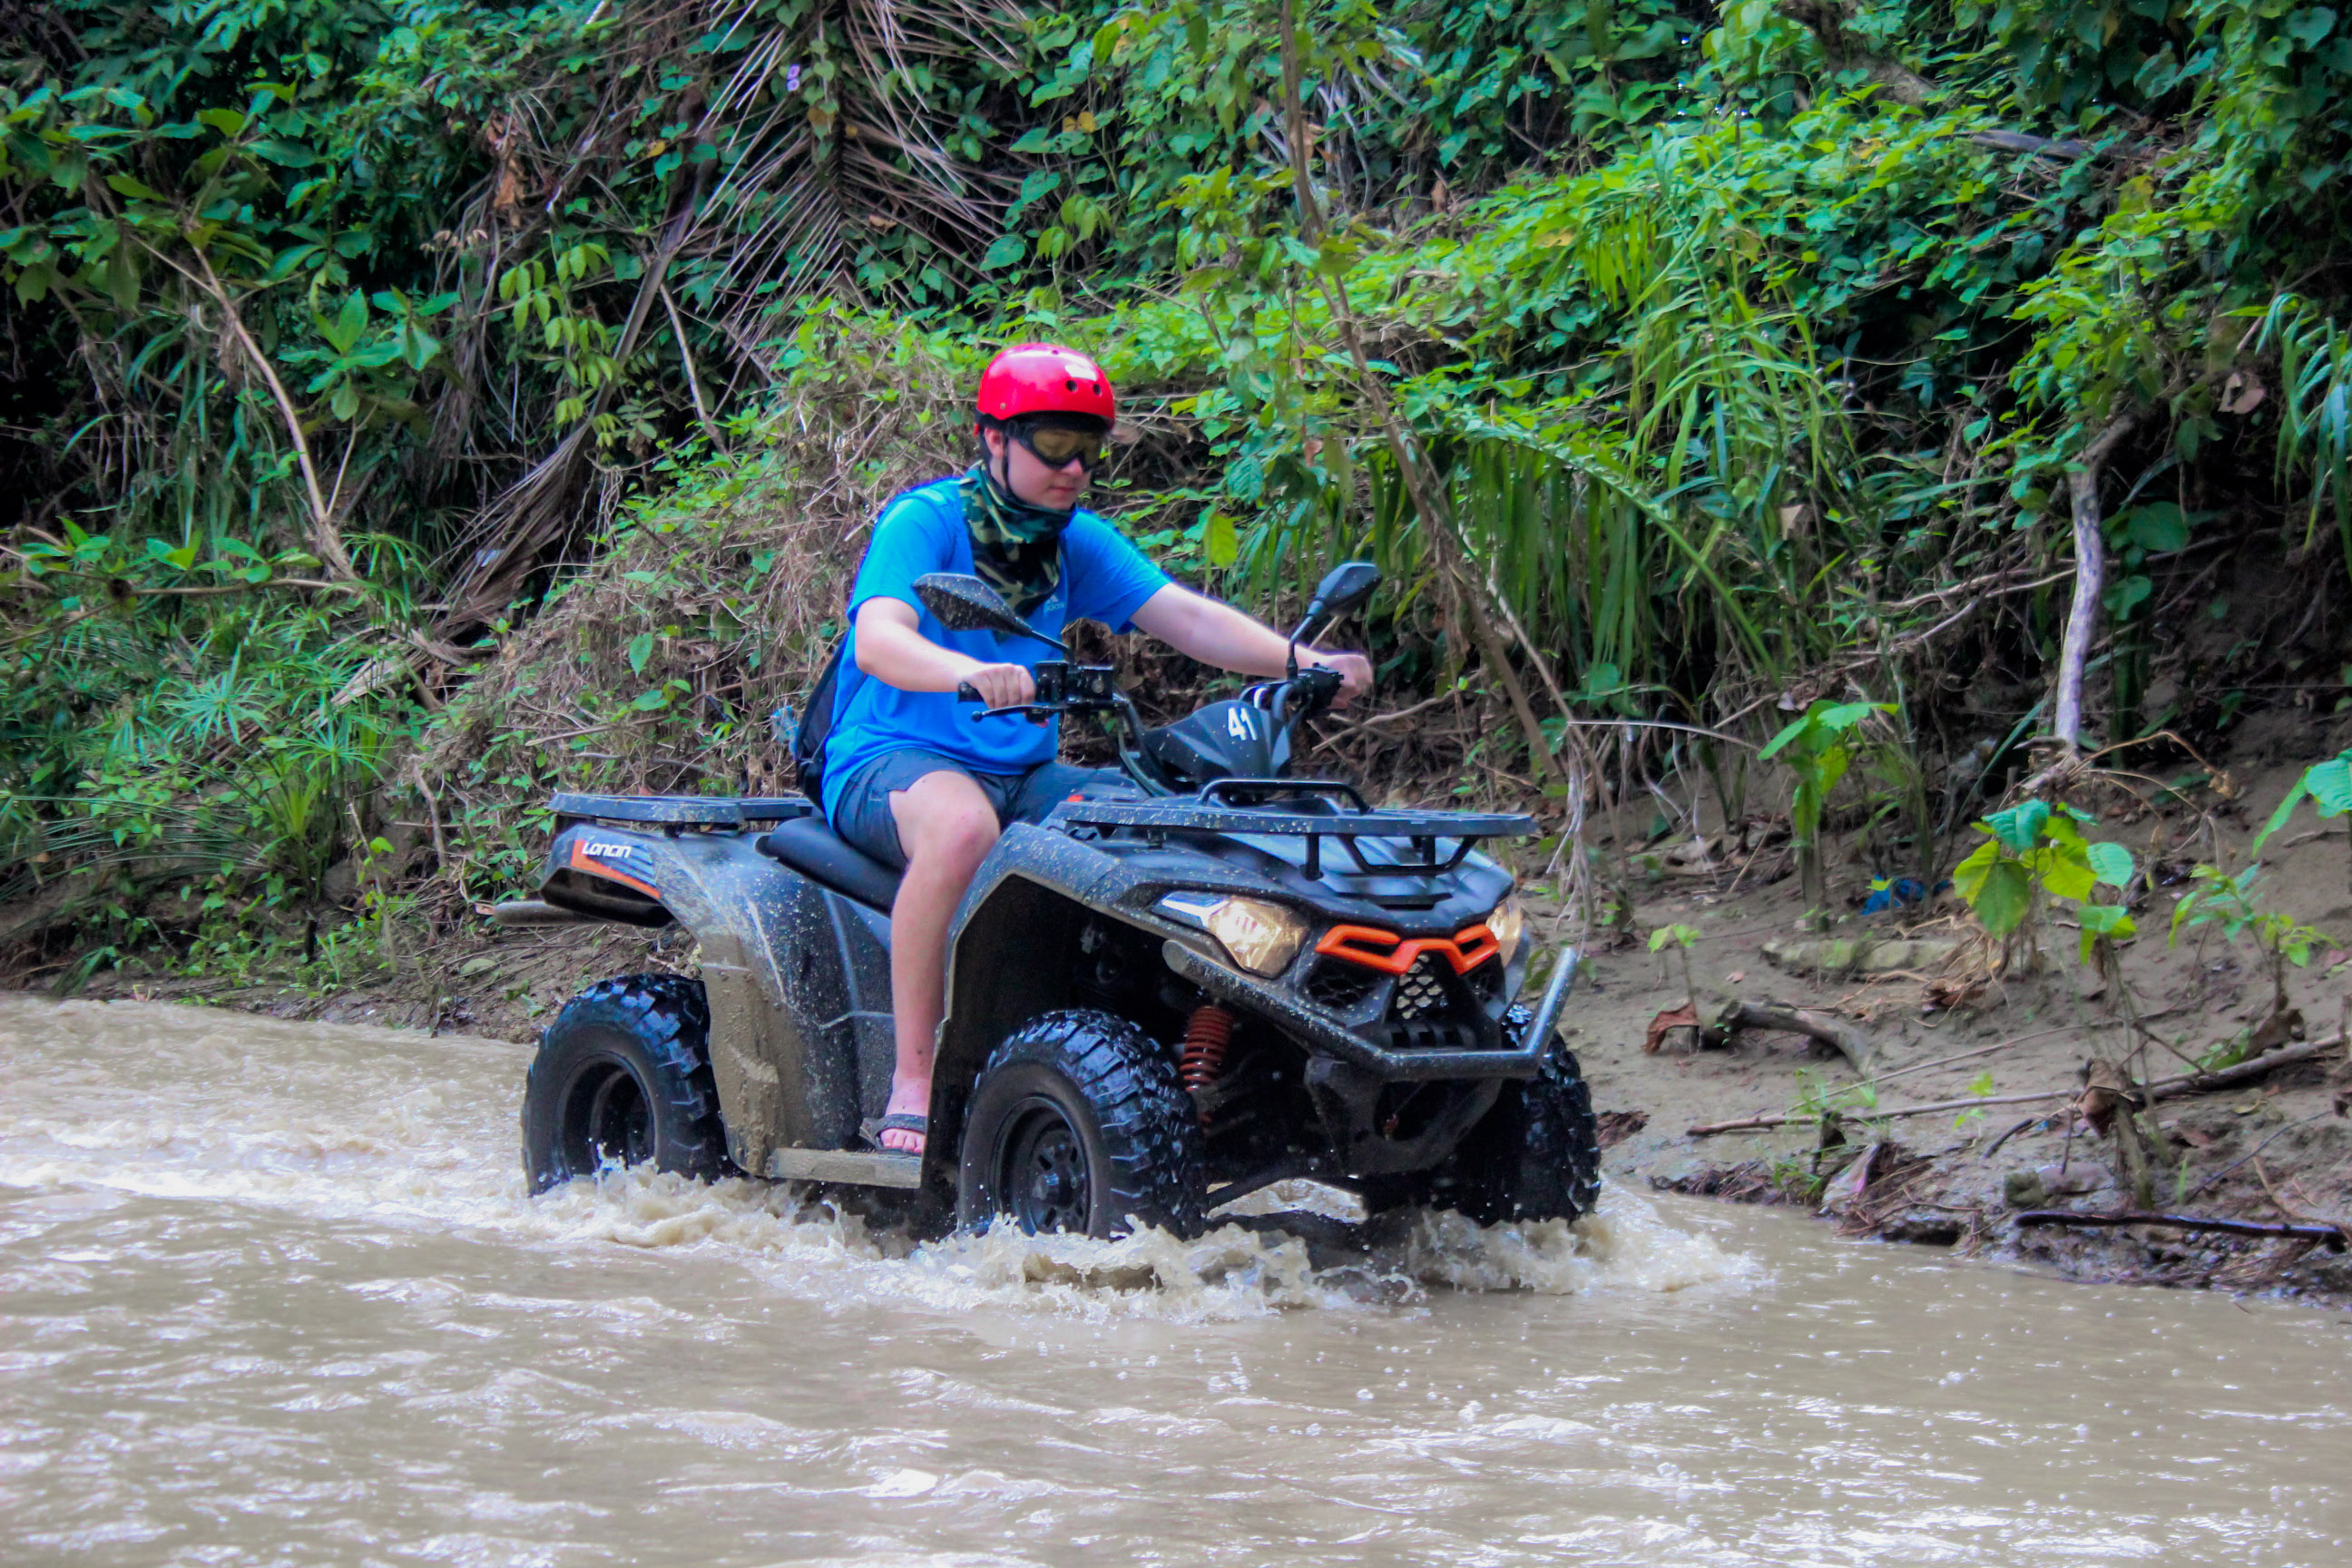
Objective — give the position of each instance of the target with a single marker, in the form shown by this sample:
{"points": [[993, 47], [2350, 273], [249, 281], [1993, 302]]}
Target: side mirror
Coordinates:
{"points": [[965, 603], [1344, 588]]}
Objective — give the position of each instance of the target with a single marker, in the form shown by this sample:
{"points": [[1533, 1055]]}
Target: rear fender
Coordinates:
{"points": [[788, 974], [611, 874]]}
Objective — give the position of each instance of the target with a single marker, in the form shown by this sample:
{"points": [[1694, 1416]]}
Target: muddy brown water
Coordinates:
{"points": [[272, 1293]]}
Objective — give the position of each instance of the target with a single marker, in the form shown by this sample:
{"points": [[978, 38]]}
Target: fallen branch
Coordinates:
{"points": [[2163, 1089], [2244, 1072], [1851, 1042], [2332, 1237], [1765, 1123], [2061, 151]]}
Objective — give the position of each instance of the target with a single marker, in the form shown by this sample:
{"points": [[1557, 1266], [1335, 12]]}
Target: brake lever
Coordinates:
{"points": [[1319, 688]]}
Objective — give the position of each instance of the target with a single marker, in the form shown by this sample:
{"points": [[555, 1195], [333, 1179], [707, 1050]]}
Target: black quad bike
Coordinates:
{"points": [[1158, 1000]]}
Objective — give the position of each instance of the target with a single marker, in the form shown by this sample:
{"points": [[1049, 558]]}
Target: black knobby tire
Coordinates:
{"points": [[1536, 1155], [623, 1078], [1078, 1122]]}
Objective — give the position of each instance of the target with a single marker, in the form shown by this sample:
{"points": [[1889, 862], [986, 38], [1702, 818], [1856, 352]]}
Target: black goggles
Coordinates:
{"points": [[1056, 445]]}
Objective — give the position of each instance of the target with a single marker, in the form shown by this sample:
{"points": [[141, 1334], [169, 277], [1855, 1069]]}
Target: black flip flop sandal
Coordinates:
{"points": [[897, 1122]]}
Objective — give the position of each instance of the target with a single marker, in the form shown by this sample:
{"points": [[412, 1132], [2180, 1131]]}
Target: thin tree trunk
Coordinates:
{"points": [[1436, 519], [326, 538], [2090, 581]]}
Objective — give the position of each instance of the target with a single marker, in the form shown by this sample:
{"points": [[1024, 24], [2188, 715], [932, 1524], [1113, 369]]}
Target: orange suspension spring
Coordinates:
{"points": [[1206, 1035]]}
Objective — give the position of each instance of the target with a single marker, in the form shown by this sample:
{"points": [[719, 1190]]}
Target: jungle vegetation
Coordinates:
{"points": [[408, 406]]}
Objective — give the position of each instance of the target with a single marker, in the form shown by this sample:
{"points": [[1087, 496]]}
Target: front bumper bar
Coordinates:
{"points": [[1327, 1038]]}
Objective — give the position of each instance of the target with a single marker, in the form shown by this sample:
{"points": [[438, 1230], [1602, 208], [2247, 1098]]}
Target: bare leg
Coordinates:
{"points": [[947, 827]]}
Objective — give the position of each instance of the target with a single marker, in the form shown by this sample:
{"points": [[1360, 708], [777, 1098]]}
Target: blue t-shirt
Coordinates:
{"points": [[1104, 578]]}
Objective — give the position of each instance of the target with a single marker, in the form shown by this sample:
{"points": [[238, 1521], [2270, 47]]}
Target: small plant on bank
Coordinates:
{"points": [[1681, 938], [1818, 748], [2217, 899], [2031, 855]]}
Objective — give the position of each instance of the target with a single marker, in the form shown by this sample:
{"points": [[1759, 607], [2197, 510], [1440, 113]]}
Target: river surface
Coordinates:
{"points": [[272, 1293]]}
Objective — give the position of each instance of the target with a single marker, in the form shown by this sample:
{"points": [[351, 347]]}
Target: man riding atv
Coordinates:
{"points": [[1086, 1005], [918, 780]]}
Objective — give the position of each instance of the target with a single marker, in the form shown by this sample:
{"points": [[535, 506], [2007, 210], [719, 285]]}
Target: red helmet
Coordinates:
{"points": [[1044, 378]]}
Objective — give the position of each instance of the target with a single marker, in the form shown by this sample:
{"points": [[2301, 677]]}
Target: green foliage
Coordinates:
{"points": [[1678, 936], [2031, 854], [1818, 748], [1682, 939], [2228, 903], [1730, 339]]}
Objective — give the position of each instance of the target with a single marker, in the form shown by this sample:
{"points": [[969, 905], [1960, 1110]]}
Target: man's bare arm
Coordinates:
{"points": [[892, 648], [1218, 634]]}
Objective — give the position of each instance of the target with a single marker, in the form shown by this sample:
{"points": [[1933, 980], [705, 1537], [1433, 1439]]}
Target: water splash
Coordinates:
{"points": [[413, 1133]]}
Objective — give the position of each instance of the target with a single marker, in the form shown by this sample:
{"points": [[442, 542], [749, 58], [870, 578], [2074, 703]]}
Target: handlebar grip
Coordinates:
{"points": [[967, 692]]}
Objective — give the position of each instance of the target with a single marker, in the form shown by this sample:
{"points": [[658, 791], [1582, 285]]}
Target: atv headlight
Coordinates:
{"points": [[1262, 937], [1509, 923]]}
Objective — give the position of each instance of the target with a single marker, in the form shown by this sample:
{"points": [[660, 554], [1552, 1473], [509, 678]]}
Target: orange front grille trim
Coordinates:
{"points": [[1390, 953]]}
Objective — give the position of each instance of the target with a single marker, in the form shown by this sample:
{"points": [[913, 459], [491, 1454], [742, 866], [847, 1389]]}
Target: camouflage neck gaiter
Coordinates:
{"points": [[1016, 548]]}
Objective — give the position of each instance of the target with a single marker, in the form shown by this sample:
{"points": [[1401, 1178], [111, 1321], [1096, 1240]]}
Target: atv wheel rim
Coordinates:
{"points": [[1046, 1185], [607, 1120]]}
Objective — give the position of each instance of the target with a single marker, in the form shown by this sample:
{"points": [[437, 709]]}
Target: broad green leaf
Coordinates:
{"points": [[1222, 546], [646, 702], [2111, 863], [1844, 716], [2330, 784], [2127, 595], [285, 154], [1969, 876], [227, 122], [2158, 528], [2310, 25], [1008, 251], [641, 648], [32, 283], [2004, 899], [2109, 920], [2061, 874], [124, 185], [2019, 826], [349, 324]]}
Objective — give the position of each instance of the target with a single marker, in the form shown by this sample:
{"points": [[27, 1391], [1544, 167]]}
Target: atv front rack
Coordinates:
{"points": [[1425, 831]]}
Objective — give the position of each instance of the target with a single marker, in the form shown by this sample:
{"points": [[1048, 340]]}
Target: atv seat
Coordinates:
{"points": [[809, 846]]}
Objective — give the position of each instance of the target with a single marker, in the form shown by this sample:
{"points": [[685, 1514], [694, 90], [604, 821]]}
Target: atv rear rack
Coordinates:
{"points": [[1425, 830], [679, 810]]}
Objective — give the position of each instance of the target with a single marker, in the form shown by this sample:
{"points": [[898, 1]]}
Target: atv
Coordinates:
{"points": [[1166, 996]]}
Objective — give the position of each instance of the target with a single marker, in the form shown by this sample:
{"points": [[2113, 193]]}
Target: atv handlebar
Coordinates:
{"points": [[1061, 687], [1066, 687]]}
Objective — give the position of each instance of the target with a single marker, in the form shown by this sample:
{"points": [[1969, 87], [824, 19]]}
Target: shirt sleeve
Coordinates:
{"points": [[1109, 578], [906, 543]]}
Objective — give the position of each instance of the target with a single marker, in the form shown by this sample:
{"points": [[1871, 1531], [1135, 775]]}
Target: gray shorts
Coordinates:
{"points": [[861, 812]]}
